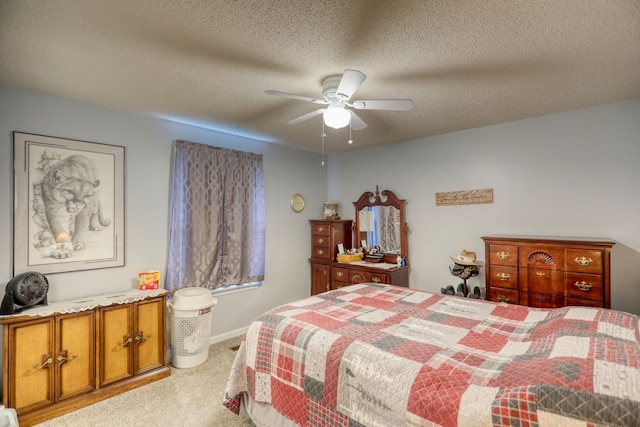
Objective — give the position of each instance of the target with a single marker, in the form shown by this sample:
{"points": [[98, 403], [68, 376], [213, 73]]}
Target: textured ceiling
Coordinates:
{"points": [[464, 63]]}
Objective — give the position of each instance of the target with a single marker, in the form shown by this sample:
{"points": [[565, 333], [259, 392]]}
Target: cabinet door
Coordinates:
{"points": [[320, 278], [148, 341], [30, 355], [75, 354], [116, 343]]}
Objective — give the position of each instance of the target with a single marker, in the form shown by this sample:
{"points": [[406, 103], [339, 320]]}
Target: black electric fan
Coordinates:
{"points": [[24, 291]]}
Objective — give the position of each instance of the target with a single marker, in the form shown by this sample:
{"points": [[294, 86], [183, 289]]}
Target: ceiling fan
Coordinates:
{"points": [[336, 93]]}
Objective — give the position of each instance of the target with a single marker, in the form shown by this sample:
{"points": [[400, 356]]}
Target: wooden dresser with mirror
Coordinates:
{"points": [[379, 222]]}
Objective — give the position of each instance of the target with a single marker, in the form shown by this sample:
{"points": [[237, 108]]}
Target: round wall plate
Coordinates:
{"points": [[297, 203]]}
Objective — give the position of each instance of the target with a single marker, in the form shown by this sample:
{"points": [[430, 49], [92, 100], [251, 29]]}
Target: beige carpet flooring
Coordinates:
{"points": [[189, 397]]}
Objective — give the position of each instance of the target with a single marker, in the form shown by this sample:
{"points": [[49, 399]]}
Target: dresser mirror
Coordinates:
{"points": [[380, 222]]}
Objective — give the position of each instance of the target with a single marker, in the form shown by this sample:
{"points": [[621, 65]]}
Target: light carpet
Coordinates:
{"points": [[189, 397]]}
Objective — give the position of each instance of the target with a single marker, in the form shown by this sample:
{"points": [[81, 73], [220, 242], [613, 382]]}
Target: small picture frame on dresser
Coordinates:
{"points": [[341, 249], [330, 210]]}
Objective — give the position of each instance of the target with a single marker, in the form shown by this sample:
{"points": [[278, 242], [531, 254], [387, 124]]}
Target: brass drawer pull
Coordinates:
{"points": [[583, 261], [126, 340], [321, 229], [540, 273], [47, 362], [375, 280], [62, 357], [320, 241], [503, 255], [320, 251], [541, 298], [339, 274], [503, 298], [503, 276], [140, 338], [583, 286]]}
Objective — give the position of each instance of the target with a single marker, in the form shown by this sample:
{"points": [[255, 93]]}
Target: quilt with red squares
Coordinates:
{"points": [[381, 355]]}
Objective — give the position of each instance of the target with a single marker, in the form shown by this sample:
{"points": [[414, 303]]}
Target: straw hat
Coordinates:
{"points": [[466, 258]]}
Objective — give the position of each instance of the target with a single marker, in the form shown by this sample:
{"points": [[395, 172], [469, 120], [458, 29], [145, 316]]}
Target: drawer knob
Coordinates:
{"points": [[503, 298], [583, 286], [540, 273], [583, 261], [375, 280], [321, 229], [320, 251], [47, 362], [503, 276], [339, 274], [541, 298], [503, 255], [320, 241]]}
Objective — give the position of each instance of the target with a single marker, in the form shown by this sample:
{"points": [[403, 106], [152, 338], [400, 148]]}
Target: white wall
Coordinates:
{"points": [[147, 143], [571, 174], [568, 174]]}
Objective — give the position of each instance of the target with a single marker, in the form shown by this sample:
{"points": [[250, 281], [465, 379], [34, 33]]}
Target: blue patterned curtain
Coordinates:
{"points": [[217, 217]]}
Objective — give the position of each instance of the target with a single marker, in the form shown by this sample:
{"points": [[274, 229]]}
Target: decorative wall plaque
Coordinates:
{"points": [[465, 197]]}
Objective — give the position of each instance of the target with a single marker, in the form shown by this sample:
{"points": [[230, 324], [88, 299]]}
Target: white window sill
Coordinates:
{"points": [[234, 289]]}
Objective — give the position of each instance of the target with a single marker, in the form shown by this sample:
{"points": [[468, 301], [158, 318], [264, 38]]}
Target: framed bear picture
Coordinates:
{"points": [[68, 204]]}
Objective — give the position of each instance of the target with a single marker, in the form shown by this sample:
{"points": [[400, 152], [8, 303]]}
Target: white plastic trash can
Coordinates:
{"points": [[191, 310]]}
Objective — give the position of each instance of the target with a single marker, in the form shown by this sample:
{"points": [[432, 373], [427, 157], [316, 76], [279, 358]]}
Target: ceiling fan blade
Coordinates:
{"points": [[350, 82], [307, 116], [294, 96], [384, 104], [356, 122]]}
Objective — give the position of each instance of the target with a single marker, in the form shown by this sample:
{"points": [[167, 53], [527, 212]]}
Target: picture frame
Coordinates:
{"points": [[68, 204], [330, 210]]}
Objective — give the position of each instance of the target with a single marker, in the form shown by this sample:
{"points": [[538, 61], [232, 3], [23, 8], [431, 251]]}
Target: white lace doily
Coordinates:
{"points": [[88, 303]]}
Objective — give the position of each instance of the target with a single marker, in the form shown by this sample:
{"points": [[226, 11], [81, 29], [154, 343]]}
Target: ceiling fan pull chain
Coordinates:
{"points": [[323, 135]]}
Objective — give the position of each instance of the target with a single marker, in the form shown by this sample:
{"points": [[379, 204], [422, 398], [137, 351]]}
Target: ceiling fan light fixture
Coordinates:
{"points": [[336, 117]]}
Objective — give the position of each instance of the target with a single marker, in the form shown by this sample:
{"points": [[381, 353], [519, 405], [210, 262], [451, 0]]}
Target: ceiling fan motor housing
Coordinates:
{"points": [[330, 87]]}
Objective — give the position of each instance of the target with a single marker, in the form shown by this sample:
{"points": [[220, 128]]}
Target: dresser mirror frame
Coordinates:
{"points": [[384, 198]]}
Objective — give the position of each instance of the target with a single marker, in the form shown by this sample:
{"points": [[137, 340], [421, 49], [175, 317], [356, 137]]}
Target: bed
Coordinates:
{"points": [[381, 355]]}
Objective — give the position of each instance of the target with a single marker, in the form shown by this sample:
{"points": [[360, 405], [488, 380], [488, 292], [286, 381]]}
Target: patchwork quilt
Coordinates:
{"points": [[381, 355]]}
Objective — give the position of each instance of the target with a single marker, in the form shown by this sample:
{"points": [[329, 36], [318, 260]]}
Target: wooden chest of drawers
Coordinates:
{"points": [[327, 274], [326, 235], [548, 271]]}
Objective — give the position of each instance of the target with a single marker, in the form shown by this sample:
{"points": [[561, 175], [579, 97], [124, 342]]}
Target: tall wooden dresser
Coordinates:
{"points": [[539, 271], [328, 274]]}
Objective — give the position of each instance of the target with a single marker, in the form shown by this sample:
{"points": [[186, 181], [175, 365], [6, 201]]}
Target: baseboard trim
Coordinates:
{"points": [[227, 335]]}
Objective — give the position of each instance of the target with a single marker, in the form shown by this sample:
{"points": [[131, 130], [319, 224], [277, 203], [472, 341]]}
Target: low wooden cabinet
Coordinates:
{"points": [[548, 271], [54, 363]]}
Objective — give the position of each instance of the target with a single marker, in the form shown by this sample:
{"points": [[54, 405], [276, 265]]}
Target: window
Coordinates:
{"points": [[217, 218]]}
